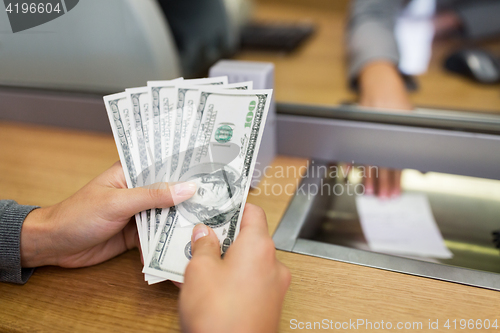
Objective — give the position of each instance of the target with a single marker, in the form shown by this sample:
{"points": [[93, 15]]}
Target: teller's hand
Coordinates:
{"points": [[381, 86], [447, 23], [385, 183]]}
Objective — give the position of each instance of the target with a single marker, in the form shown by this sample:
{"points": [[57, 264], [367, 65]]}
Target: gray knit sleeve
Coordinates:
{"points": [[370, 33], [12, 217]]}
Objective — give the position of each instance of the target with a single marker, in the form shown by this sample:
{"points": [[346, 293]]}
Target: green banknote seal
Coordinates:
{"points": [[223, 134]]}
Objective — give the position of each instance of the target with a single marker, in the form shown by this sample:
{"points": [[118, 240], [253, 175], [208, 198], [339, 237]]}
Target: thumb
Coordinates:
{"points": [[159, 195], [205, 242]]}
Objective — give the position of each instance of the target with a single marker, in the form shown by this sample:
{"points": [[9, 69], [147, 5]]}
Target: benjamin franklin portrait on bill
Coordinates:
{"points": [[218, 196]]}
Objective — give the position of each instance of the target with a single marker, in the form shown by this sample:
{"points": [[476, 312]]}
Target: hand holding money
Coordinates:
{"points": [[242, 292], [93, 225], [202, 131]]}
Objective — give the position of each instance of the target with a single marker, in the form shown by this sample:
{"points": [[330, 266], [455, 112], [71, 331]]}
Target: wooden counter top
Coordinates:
{"points": [[44, 165]]}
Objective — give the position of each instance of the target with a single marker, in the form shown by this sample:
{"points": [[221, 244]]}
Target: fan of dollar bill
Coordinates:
{"points": [[204, 131]]}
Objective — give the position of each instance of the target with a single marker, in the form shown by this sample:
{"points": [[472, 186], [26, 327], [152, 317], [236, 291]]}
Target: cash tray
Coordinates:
{"points": [[463, 146]]}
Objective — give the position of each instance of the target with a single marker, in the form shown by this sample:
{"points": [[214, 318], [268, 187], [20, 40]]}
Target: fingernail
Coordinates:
{"points": [[184, 189], [200, 230], [369, 190], [383, 195]]}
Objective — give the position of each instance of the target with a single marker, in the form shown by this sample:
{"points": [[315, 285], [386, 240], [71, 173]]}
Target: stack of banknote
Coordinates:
{"points": [[203, 131]]}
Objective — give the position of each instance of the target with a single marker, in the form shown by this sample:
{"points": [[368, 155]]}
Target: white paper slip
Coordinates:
{"points": [[403, 226], [414, 32]]}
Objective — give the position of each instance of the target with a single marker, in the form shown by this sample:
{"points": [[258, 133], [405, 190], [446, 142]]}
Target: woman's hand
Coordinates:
{"points": [[242, 292], [94, 224], [382, 87], [384, 182]]}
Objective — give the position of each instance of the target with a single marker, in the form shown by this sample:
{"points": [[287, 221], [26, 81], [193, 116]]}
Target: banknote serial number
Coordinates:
{"points": [[33, 8]]}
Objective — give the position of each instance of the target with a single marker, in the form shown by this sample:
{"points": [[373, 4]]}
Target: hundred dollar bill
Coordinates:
{"points": [[194, 118], [138, 99], [161, 101], [118, 110], [193, 128], [188, 144], [187, 99], [221, 164], [164, 98], [147, 133], [146, 115], [176, 117]]}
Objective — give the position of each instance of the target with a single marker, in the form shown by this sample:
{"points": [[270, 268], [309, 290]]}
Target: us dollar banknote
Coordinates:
{"points": [[138, 99], [195, 122], [221, 163], [190, 91], [192, 115], [162, 100], [117, 106], [187, 100], [163, 93], [162, 103]]}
